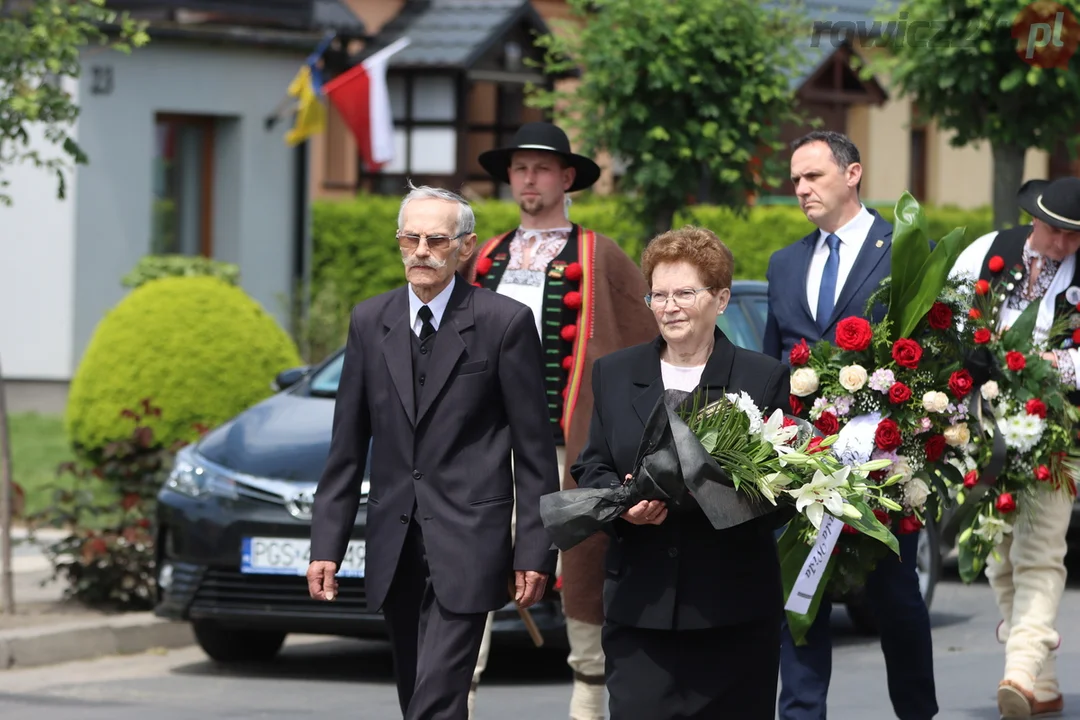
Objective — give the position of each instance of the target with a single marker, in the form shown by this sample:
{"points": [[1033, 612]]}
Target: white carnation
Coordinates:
{"points": [[990, 389], [804, 381], [853, 377]]}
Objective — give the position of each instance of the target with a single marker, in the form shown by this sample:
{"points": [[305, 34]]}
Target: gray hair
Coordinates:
{"points": [[466, 220]]}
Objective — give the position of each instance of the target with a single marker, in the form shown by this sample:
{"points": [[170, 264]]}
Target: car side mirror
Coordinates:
{"points": [[288, 378]]}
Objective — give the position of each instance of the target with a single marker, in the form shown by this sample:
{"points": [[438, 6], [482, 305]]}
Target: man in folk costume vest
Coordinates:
{"points": [[587, 297], [1028, 576]]}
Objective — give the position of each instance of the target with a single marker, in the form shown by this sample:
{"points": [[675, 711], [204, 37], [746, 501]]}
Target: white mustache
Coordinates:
{"points": [[430, 262]]}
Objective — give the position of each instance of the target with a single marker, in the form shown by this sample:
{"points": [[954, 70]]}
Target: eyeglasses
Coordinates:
{"points": [[411, 241], [683, 298]]}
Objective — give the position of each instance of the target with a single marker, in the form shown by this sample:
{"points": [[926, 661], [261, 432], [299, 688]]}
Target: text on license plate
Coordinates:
{"points": [[290, 556]]}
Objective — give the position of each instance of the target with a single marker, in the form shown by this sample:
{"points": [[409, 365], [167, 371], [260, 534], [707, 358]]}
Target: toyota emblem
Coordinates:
{"points": [[299, 506]]}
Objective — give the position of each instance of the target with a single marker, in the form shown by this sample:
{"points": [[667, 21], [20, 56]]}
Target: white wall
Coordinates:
{"points": [[37, 270]]}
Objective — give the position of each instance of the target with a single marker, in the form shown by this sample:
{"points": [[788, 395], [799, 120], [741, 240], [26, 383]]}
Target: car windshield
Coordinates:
{"points": [[325, 382]]}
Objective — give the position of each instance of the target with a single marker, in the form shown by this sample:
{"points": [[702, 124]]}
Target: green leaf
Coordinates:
{"points": [[910, 249], [1019, 335], [932, 277], [869, 525]]}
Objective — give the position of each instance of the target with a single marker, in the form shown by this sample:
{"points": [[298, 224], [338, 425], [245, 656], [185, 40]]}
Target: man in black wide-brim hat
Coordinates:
{"points": [[587, 297], [1027, 570]]}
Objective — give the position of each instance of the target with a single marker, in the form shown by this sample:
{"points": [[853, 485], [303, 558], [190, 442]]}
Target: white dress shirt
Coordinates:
{"points": [[437, 305], [852, 236]]}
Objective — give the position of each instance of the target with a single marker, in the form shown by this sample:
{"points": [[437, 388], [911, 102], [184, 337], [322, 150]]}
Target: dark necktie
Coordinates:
{"points": [[427, 329], [827, 295]]}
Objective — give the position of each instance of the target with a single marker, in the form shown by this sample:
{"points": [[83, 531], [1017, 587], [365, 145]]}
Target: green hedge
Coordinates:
{"points": [[197, 347], [355, 251]]}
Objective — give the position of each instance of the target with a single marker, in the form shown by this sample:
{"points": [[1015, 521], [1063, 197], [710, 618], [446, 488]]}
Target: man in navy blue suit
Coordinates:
{"points": [[813, 283]]}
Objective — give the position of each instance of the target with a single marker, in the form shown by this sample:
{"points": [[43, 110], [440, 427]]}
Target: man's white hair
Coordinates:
{"points": [[466, 220]]}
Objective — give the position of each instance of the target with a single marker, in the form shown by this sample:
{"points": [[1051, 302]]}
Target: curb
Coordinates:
{"points": [[126, 634]]}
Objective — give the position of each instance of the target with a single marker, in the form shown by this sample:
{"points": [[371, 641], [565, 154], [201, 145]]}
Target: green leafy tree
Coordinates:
{"points": [[41, 42], [692, 94], [965, 70]]}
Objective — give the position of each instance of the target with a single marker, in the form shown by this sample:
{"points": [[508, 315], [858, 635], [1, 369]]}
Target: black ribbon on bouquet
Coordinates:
{"points": [[979, 410], [673, 466]]}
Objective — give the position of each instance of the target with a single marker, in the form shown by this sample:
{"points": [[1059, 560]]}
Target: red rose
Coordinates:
{"points": [[996, 264], [879, 475], [853, 333], [568, 333], [974, 314], [907, 353], [960, 383], [848, 530], [568, 362], [814, 446], [795, 404], [887, 436], [800, 354], [1015, 360], [836, 549], [828, 423], [1005, 503], [982, 336], [940, 316], [971, 478], [572, 299], [483, 266], [882, 516], [909, 524], [899, 393], [1042, 473], [1076, 337], [787, 422], [573, 271], [982, 287], [935, 446], [1035, 406]]}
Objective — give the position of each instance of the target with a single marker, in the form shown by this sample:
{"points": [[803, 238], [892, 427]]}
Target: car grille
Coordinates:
{"points": [[233, 590]]}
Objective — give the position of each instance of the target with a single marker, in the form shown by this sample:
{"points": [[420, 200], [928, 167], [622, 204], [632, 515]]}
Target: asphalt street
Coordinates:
{"points": [[320, 678]]}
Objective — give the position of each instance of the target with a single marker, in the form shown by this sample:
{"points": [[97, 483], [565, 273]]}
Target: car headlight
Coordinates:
{"points": [[190, 478]]}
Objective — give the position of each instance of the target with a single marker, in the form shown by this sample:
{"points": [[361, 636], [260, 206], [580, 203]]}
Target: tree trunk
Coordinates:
{"points": [[7, 580], [1008, 172]]}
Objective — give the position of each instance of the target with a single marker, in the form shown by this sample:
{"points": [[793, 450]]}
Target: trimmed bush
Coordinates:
{"points": [[356, 253], [154, 267], [199, 348]]}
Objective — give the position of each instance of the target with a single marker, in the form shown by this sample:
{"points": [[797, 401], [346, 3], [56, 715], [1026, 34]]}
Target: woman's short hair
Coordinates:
{"points": [[696, 245]]}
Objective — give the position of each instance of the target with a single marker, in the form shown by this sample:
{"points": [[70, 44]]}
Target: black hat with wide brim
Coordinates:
{"points": [[544, 137], [1056, 203]]}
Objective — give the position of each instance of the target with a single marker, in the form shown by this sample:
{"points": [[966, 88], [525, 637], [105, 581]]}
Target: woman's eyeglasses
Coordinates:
{"points": [[683, 298], [438, 243]]}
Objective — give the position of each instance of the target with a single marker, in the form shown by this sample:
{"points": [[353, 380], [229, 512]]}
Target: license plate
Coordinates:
{"points": [[290, 556]]}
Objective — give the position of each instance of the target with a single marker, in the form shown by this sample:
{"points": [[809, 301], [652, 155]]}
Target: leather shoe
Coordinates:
{"points": [[1017, 702]]}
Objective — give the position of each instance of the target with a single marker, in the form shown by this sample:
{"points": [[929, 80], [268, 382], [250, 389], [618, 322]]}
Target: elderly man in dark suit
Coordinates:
{"points": [[821, 279], [446, 379]]}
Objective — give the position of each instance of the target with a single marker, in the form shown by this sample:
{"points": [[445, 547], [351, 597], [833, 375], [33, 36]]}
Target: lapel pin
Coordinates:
{"points": [[880, 243]]}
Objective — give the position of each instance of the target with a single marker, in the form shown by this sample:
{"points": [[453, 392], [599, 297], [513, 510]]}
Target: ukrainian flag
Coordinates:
{"points": [[310, 112]]}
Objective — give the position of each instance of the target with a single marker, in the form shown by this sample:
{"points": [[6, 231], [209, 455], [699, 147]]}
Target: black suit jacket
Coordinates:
{"points": [[789, 318], [681, 574], [450, 457]]}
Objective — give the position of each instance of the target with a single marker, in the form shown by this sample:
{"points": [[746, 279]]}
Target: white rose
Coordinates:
{"points": [[804, 381], [935, 401], [990, 389], [957, 435], [901, 468], [853, 377], [915, 493]]}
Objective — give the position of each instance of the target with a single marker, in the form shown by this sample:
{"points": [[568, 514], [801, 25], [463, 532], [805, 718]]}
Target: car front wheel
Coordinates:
{"points": [[236, 645]]}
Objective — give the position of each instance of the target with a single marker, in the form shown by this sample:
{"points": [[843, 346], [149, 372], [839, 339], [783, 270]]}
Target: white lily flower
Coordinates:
{"points": [[821, 494], [774, 432], [993, 529], [772, 484]]}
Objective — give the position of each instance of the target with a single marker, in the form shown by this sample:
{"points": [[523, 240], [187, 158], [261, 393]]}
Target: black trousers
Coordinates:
{"points": [[712, 674], [435, 650]]}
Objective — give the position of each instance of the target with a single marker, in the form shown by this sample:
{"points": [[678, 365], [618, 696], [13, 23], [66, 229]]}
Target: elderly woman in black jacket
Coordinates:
{"points": [[693, 614]]}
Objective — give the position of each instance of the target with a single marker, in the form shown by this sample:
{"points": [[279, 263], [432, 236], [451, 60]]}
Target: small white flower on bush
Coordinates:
{"points": [[804, 381], [990, 389], [957, 435], [853, 377]]}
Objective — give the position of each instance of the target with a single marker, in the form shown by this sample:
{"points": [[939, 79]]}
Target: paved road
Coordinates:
{"points": [[318, 678]]}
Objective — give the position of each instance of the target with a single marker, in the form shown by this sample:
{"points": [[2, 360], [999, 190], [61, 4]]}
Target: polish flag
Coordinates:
{"points": [[362, 98]]}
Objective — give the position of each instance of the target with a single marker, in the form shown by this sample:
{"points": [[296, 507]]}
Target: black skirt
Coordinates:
{"points": [[728, 672]]}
